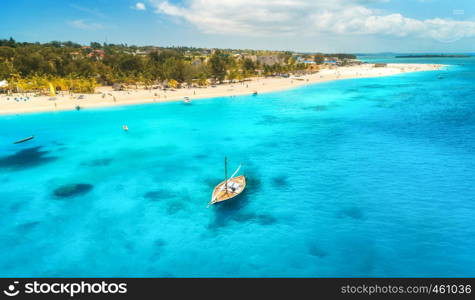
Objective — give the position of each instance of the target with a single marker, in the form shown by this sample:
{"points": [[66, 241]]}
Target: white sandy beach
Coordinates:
{"points": [[105, 96]]}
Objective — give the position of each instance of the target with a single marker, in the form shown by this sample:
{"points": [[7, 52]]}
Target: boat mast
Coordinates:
{"points": [[226, 174]]}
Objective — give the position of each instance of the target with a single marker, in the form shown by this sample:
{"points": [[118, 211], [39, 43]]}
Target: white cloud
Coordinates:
{"points": [[139, 6], [309, 17], [81, 24]]}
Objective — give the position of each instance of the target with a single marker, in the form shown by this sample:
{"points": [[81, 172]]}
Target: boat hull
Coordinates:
{"points": [[24, 140], [221, 194]]}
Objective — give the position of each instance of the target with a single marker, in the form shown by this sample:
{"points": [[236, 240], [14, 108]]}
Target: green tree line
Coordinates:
{"points": [[69, 65]]}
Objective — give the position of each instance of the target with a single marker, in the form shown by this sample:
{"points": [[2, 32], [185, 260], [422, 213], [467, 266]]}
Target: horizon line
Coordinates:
{"points": [[253, 49]]}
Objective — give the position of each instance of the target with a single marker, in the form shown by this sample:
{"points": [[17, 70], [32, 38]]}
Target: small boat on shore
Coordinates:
{"points": [[24, 140], [187, 100], [229, 188]]}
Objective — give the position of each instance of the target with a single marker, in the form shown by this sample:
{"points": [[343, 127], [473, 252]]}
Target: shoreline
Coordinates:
{"points": [[105, 96]]}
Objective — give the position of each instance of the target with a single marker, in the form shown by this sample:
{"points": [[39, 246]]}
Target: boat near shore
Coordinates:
{"points": [[24, 140]]}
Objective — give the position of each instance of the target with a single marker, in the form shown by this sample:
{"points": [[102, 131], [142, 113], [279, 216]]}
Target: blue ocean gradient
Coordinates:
{"points": [[363, 177]]}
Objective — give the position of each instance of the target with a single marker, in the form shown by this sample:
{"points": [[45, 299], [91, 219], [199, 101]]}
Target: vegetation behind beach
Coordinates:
{"points": [[68, 66]]}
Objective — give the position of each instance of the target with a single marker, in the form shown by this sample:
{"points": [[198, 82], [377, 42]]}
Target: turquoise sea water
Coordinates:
{"points": [[365, 177]]}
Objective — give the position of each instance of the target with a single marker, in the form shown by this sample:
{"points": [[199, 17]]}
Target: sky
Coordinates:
{"points": [[351, 26]]}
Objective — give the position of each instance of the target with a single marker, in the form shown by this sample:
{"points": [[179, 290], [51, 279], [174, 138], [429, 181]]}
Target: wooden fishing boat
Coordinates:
{"points": [[24, 140], [229, 188]]}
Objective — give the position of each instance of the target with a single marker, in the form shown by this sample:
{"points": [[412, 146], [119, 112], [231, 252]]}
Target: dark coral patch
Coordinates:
{"points": [[223, 218], [261, 219], [156, 195], [265, 219], [98, 162], [373, 86], [159, 243], [25, 158], [280, 181], [201, 156], [17, 206], [174, 207], [354, 98], [352, 91], [272, 120], [29, 225], [73, 190], [353, 212], [269, 144], [315, 250], [316, 108]]}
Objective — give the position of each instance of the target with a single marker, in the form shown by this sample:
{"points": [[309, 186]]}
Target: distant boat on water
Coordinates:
{"points": [[24, 140], [229, 188], [187, 100]]}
